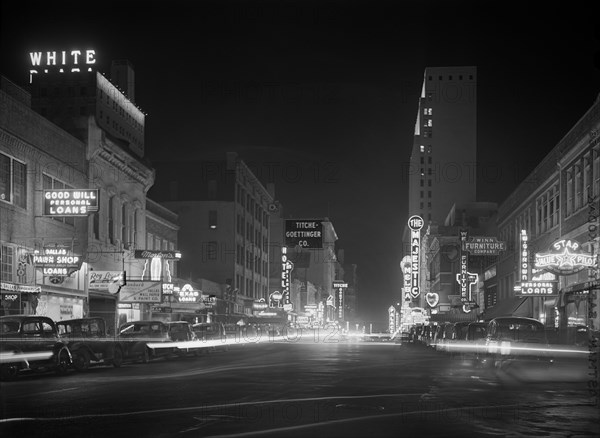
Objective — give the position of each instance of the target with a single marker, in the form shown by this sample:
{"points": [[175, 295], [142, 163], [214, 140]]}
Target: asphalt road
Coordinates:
{"points": [[297, 389]]}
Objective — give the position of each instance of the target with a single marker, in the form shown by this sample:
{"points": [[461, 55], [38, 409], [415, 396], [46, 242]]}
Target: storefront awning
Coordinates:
{"points": [[513, 306]]}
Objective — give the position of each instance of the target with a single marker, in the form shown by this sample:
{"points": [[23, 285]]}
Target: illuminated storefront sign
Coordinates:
{"points": [[57, 261], [70, 202], [260, 304], [304, 233], [479, 245], [275, 299], [340, 286], [62, 60], [392, 324], [102, 280], [187, 294], [20, 288], [141, 292], [415, 223], [150, 254], [565, 257], [537, 289], [465, 279], [286, 270], [407, 275], [168, 288], [524, 257], [432, 299]]}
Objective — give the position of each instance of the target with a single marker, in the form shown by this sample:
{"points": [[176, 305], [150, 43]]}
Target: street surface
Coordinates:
{"points": [[299, 388]]}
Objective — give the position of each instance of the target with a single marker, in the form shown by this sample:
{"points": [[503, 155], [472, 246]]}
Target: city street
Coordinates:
{"points": [[312, 387]]}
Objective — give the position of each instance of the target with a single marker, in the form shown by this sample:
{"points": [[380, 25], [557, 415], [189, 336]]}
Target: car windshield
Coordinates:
{"points": [[520, 331]]}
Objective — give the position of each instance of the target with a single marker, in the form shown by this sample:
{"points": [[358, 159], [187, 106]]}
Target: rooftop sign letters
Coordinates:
{"points": [[304, 233], [70, 202], [478, 245], [69, 60], [565, 257]]}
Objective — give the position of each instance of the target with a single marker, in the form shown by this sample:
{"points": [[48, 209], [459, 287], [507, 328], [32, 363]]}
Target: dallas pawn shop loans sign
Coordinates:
{"points": [[70, 202]]}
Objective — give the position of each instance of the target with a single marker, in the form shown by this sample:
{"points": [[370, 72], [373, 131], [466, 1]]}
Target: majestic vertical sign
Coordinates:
{"points": [[464, 278], [415, 223]]}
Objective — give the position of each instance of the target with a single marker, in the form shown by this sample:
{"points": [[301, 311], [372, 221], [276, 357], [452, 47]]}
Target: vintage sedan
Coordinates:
{"points": [[517, 346], [212, 334], [140, 341], [31, 343], [89, 342], [182, 333]]}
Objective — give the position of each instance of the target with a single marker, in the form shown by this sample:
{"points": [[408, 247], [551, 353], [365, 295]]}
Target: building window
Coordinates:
{"points": [[211, 250], [134, 231], [212, 219], [422, 148], [49, 182], [111, 219], [13, 181], [7, 262], [422, 183], [570, 193], [96, 225], [124, 225]]}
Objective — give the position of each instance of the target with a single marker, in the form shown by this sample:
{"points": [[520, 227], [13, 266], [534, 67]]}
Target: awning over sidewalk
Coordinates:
{"points": [[513, 306], [453, 317]]}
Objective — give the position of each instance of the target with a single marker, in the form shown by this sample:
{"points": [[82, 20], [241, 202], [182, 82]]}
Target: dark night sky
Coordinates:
{"points": [[328, 90]]}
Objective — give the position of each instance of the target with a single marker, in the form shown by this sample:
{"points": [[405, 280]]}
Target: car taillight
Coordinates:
{"points": [[505, 347]]}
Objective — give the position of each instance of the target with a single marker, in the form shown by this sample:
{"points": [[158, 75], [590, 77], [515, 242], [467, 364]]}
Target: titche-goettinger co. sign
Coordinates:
{"points": [[70, 202]]}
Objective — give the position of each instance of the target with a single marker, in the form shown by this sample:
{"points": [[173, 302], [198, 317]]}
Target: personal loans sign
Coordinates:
{"points": [[70, 202], [304, 233]]}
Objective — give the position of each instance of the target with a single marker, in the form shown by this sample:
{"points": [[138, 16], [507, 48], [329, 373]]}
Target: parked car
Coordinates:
{"points": [[444, 332], [89, 342], [139, 338], [183, 333], [474, 341], [457, 335], [212, 334], [30, 343], [519, 340]]}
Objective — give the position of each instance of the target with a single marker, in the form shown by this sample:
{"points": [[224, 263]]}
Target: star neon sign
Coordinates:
{"points": [[564, 258]]}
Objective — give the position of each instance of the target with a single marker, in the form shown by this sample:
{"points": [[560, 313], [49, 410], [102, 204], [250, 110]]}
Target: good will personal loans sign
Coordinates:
{"points": [[70, 202]]}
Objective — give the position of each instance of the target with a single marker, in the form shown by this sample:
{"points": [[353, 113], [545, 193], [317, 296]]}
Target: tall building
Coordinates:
{"points": [[223, 212], [441, 170]]}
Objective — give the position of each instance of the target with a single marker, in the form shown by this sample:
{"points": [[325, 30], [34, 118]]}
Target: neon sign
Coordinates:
{"points": [[72, 60], [340, 286], [524, 265], [565, 257], [465, 278], [415, 223], [286, 269], [70, 202]]}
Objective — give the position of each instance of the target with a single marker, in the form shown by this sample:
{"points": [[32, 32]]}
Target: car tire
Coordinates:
{"points": [[9, 372], [81, 360], [63, 364], [145, 355], [117, 358]]}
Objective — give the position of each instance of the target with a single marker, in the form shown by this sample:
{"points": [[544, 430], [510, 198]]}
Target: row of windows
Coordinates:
{"points": [[254, 235], [250, 288], [450, 77], [252, 207], [582, 183], [422, 149], [127, 224], [121, 111], [245, 258], [58, 92]]}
